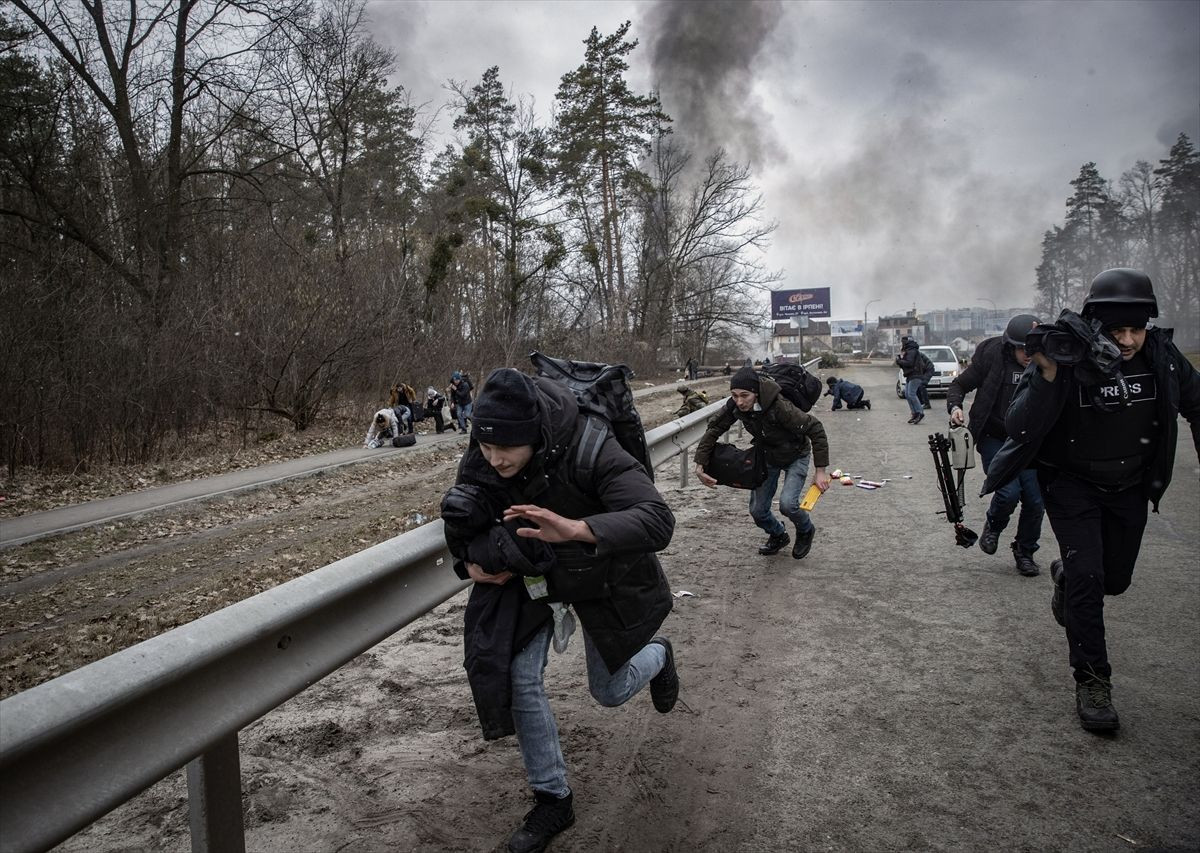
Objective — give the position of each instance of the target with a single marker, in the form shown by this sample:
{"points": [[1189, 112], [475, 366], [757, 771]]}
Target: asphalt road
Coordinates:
{"points": [[890, 692]]}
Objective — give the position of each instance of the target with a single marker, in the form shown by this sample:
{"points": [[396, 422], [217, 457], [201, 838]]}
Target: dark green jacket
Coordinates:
{"points": [[783, 432]]}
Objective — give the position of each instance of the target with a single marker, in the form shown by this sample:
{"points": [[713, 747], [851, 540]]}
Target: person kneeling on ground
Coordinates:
{"points": [[844, 389], [604, 523], [384, 427], [693, 401], [789, 438]]}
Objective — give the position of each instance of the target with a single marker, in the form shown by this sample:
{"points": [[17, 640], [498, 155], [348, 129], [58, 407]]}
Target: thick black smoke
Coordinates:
{"points": [[702, 54]]}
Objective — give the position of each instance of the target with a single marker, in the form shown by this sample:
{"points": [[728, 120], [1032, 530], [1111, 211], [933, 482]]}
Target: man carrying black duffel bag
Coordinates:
{"points": [[788, 438]]}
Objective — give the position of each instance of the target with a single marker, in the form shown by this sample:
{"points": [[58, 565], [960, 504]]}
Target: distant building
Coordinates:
{"points": [[962, 346], [786, 341], [973, 323], [906, 325]]}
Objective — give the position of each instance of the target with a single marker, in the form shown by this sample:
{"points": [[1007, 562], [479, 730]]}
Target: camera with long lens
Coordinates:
{"points": [[1073, 340]]}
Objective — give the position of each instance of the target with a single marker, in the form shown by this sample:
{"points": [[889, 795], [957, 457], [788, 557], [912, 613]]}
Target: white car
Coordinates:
{"points": [[945, 368]]}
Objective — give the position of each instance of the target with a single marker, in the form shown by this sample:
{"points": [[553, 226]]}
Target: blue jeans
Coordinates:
{"points": [[789, 498], [537, 731], [1023, 488], [464, 411], [912, 393]]}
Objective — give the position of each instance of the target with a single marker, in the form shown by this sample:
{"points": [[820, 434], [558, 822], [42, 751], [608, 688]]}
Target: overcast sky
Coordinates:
{"points": [[911, 152]]}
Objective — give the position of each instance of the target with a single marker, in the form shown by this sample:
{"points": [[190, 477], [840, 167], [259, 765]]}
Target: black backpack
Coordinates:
{"points": [[800, 387], [604, 395]]}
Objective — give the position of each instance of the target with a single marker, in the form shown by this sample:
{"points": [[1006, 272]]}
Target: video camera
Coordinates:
{"points": [[1073, 340]]}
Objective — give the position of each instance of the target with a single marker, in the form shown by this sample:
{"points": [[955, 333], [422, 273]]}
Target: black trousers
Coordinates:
{"points": [[1099, 535]]}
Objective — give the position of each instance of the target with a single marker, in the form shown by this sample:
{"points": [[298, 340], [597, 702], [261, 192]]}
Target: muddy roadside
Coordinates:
{"points": [[71, 599], [889, 692]]}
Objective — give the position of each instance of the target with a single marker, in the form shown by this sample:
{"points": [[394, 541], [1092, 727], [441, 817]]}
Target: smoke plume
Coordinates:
{"points": [[703, 55]]}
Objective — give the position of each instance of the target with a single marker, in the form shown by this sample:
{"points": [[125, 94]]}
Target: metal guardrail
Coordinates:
{"points": [[74, 748]]}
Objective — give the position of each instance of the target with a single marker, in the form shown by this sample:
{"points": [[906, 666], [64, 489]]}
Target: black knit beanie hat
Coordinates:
{"points": [[1116, 314], [506, 410], [745, 379]]}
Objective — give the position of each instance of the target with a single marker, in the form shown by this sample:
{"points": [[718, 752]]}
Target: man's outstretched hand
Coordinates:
{"points": [[551, 527]]}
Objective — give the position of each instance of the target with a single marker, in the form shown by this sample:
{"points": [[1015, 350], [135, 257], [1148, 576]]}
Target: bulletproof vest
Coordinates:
{"points": [[1102, 439]]}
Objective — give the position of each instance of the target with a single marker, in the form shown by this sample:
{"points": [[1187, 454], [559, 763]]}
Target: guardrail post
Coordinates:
{"points": [[215, 799], [683, 468]]}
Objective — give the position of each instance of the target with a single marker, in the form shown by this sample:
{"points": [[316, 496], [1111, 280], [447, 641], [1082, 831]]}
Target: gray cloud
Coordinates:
{"points": [[905, 215], [702, 58]]}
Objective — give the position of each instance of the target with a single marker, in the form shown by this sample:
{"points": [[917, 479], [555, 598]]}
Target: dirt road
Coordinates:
{"points": [[889, 692]]}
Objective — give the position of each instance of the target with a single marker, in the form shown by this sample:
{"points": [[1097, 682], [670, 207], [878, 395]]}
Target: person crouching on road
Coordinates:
{"points": [[790, 439], [993, 375], [845, 390], [1103, 446], [384, 427], [604, 523], [693, 401]]}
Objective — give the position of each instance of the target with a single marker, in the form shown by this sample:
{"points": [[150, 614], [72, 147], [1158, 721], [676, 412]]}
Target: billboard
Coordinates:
{"points": [[810, 302], [845, 328]]}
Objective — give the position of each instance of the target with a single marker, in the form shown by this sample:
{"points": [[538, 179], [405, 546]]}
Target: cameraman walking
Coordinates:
{"points": [[1102, 449], [993, 375]]}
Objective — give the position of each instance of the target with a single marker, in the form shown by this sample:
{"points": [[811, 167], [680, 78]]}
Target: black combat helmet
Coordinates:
{"points": [[1018, 327], [1122, 286]]}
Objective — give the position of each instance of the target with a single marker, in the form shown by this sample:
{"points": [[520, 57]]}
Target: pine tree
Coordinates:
{"points": [[603, 129]]}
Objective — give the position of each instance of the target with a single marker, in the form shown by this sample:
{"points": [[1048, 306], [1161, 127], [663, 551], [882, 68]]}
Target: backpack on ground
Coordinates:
{"points": [[800, 387], [604, 395], [405, 440]]}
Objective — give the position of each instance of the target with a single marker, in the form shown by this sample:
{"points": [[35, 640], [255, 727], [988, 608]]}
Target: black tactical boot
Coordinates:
{"points": [[664, 687], [803, 543], [989, 539], [1025, 564], [547, 819], [774, 544], [1058, 576], [867, 405], [1093, 701]]}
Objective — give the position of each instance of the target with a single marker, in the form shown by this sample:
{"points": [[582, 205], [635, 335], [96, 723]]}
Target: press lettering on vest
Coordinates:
{"points": [[1141, 387], [1016, 377]]}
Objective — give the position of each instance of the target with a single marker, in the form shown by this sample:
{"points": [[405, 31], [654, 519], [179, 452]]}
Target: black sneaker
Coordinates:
{"points": [[664, 687], [1025, 564], [774, 544], [547, 819], [803, 543], [1093, 702], [926, 406], [1056, 600], [918, 417], [989, 539], [867, 405]]}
